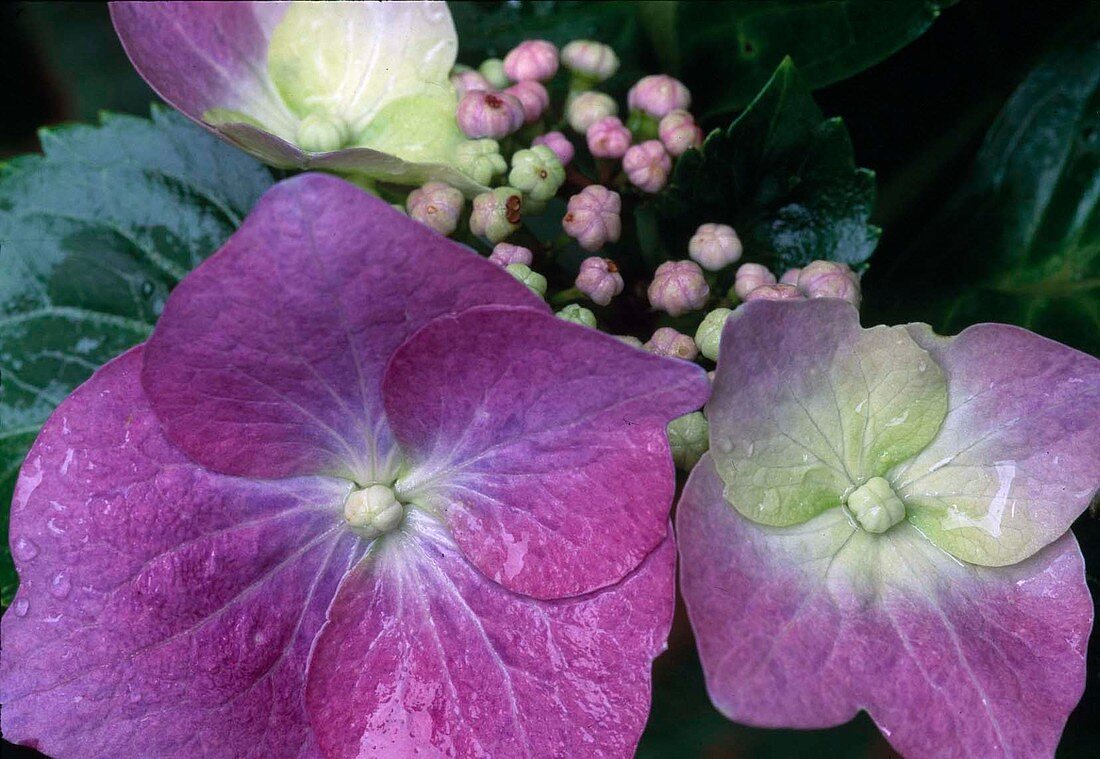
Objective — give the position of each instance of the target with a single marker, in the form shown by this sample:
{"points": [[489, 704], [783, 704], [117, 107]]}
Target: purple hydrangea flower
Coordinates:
{"points": [[531, 60], [361, 494], [592, 217], [505, 253], [608, 138], [882, 524], [533, 97], [599, 278], [489, 114], [647, 165]]}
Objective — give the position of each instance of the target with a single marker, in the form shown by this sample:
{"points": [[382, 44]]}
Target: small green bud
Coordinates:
{"points": [[642, 126], [534, 281], [480, 160], [496, 214], [493, 70], [709, 333], [537, 171], [688, 437], [630, 340], [875, 505], [577, 314], [320, 132]]}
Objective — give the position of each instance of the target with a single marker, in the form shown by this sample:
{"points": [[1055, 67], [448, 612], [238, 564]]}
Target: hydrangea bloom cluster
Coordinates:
{"points": [[360, 494]]}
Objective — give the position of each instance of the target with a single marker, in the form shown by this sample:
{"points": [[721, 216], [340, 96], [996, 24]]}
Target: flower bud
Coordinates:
{"points": [[647, 166], [679, 132], [594, 61], [658, 95], [630, 340], [751, 276], [489, 114], [827, 279], [496, 213], [585, 109], [668, 342], [775, 292], [709, 334], [373, 511], [592, 217], [505, 254], [322, 133], [790, 277], [642, 126], [678, 287], [468, 80], [537, 171], [533, 97], [578, 315], [559, 143], [436, 205], [481, 160], [599, 279], [714, 246], [531, 59], [608, 138], [493, 71], [688, 439], [535, 282]]}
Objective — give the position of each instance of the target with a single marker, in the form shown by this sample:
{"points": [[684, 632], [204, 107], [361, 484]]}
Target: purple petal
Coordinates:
{"points": [[803, 626], [1018, 456], [163, 610], [268, 357], [541, 442], [423, 655]]}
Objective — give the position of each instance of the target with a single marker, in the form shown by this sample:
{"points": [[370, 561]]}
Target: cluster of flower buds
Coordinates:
{"points": [[818, 279]]}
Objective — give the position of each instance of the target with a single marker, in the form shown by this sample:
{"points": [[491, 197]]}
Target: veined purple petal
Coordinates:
{"points": [[803, 626], [425, 656], [268, 357], [541, 443], [163, 610]]}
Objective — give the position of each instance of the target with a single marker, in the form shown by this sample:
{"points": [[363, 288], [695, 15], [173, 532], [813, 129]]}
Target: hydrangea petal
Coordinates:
{"points": [[542, 443], [1018, 455], [163, 610], [268, 357], [423, 655], [814, 405], [803, 626]]}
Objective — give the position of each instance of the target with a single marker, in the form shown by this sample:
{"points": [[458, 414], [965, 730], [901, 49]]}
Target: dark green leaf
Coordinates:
{"points": [[1020, 243], [93, 236], [782, 175], [725, 51]]}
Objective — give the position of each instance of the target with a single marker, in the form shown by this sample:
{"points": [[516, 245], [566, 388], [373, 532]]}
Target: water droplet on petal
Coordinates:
{"points": [[20, 607], [60, 586], [24, 549]]}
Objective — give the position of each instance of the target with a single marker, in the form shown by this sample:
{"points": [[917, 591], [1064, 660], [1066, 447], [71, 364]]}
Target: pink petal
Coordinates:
{"points": [[803, 626], [424, 656], [541, 442], [268, 357], [163, 610]]}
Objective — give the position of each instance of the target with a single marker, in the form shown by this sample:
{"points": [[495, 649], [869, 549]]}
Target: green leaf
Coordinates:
{"points": [[93, 236], [1020, 243], [726, 51], [782, 175]]}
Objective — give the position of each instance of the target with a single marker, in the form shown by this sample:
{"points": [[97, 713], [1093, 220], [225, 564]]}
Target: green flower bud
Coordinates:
{"points": [[630, 340], [480, 160], [642, 126], [688, 437], [534, 281], [709, 333], [537, 171], [578, 314], [493, 70], [496, 213], [320, 132]]}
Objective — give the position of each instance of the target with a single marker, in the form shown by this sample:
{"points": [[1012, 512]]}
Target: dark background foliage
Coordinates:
{"points": [[987, 201]]}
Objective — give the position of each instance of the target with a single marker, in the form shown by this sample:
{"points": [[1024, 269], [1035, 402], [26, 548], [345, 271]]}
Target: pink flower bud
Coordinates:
{"points": [[679, 132], [585, 109], [775, 292], [827, 279], [592, 217], [489, 114], [505, 253], [436, 205], [678, 287], [591, 59], [559, 143], [668, 342], [790, 277], [647, 166], [533, 97], [658, 95], [751, 276], [599, 279], [468, 81], [714, 246], [608, 138], [532, 59]]}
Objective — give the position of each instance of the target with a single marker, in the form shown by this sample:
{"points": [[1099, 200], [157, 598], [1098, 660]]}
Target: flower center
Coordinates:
{"points": [[875, 505], [373, 511]]}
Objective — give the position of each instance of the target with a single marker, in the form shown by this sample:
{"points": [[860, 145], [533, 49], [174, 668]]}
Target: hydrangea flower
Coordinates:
{"points": [[359, 88], [882, 524], [360, 494]]}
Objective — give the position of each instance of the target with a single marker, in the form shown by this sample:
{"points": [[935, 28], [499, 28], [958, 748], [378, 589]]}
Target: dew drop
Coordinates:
{"points": [[60, 586], [20, 607], [25, 549]]}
